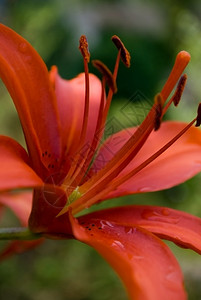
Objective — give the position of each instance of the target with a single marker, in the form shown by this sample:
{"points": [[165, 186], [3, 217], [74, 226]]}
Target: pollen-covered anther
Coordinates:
{"points": [[125, 55], [179, 90], [158, 110], [103, 69], [198, 120], [84, 48]]}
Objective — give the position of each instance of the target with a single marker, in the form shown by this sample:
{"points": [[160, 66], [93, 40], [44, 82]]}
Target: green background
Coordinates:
{"points": [[153, 31]]}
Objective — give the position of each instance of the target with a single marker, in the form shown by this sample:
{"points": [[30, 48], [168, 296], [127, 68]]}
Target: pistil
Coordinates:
{"points": [[181, 62]]}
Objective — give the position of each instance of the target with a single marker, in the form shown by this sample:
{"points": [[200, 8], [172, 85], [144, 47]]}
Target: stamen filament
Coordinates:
{"points": [[110, 93], [86, 56], [103, 69], [86, 107]]}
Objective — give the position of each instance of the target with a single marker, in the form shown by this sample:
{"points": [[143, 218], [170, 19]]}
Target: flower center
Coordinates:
{"points": [[93, 189]]}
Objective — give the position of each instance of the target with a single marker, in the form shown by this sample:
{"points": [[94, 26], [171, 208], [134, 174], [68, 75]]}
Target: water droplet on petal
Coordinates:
{"points": [[106, 224], [118, 244], [22, 47], [138, 257], [129, 230], [28, 59], [165, 211], [145, 189], [148, 214], [161, 216], [171, 275]]}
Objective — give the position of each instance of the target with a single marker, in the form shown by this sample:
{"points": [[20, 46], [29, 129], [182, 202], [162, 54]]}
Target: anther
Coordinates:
{"points": [[158, 110], [125, 55], [179, 90], [198, 120], [103, 69], [83, 46]]}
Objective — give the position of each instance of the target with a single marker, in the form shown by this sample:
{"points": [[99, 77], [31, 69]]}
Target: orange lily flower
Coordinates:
{"points": [[63, 122]]}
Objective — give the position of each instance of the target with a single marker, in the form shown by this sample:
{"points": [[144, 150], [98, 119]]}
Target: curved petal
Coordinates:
{"points": [[15, 171], [176, 226], [143, 262], [17, 247], [19, 203], [26, 78], [71, 102], [177, 164]]}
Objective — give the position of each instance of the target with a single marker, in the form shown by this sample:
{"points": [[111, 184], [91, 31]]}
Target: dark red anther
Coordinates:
{"points": [[179, 90], [159, 109], [84, 49], [103, 69], [198, 120], [125, 55]]}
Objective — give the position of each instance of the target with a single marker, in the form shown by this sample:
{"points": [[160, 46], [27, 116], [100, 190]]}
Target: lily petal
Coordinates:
{"points": [[184, 155], [26, 78], [15, 171], [143, 262], [17, 247], [176, 226], [71, 102], [19, 203]]}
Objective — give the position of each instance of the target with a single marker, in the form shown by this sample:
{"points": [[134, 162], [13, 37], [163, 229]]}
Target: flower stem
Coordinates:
{"points": [[17, 233]]}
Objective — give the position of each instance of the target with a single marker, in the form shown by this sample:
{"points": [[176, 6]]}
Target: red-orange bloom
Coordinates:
{"points": [[63, 123]]}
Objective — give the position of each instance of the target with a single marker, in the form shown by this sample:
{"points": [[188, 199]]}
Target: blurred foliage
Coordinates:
{"points": [[154, 32]]}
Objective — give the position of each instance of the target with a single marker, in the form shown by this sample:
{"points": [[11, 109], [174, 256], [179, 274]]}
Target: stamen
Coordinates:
{"points": [[121, 48], [99, 129], [104, 114], [198, 119], [181, 62], [84, 50], [132, 146], [158, 100], [125, 55], [95, 186], [179, 90], [83, 46], [103, 69]]}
